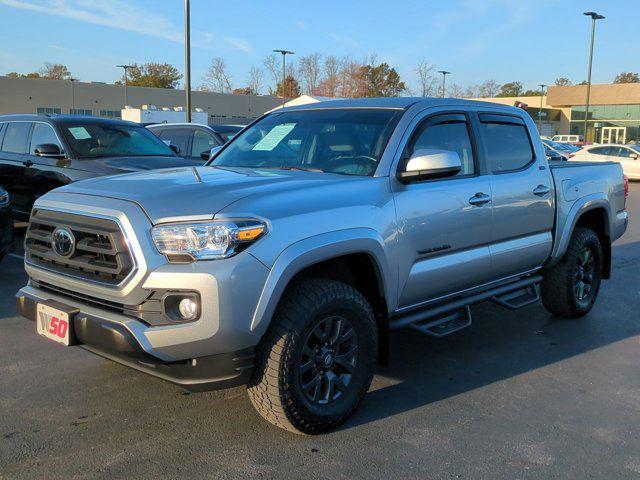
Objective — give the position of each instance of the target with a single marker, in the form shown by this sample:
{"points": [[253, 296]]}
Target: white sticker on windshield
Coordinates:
{"points": [[79, 133], [274, 137]]}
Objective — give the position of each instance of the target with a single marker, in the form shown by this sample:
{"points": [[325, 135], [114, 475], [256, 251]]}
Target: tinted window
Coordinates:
{"points": [[445, 136], [42, 133], [15, 138], [623, 152], [342, 140], [507, 146], [202, 142], [177, 137], [95, 140], [600, 150]]}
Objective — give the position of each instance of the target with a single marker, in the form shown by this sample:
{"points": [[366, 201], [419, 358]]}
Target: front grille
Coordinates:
{"points": [[101, 253]]}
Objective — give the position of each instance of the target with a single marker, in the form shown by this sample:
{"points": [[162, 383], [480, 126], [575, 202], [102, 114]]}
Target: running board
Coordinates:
{"points": [[445, 325], [518, 299], [440, 311]]}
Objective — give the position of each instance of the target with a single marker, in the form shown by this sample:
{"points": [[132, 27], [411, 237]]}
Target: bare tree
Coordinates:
{"points": [[352, 82], [488, 89], [330, 83], [310, 69], [455, 91], [272, 65], [472, 91], [256, 76], [216, 78], [427, 81], [562, 82]]}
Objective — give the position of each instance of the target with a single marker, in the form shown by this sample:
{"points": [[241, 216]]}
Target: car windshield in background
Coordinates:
{"points": [[95, 140], [345, 141]]}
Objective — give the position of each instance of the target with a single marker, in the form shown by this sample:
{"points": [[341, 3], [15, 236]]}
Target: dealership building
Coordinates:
{"points": [[614, 111], [33, 95]]}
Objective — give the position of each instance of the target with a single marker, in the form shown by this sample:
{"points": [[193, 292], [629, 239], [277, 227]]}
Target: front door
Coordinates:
{"points": [[614, 135], [12, 166], [444, 224]]}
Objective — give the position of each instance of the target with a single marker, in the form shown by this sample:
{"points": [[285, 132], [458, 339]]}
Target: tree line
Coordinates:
{"points": [[315, 74]]}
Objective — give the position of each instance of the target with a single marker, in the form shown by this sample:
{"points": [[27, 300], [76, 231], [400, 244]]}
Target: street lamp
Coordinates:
{"points": [[187, 59], [284, 74], [444, 76], [541, 85], [594, 16], [126, 97]]}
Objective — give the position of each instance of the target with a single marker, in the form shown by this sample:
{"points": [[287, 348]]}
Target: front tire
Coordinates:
{"points": [[315, 363], [570, 288]]}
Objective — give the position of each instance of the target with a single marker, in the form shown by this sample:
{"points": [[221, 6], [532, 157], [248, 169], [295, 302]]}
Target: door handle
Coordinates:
{"points": [[479, 199], [27, 163], [541, 190]]}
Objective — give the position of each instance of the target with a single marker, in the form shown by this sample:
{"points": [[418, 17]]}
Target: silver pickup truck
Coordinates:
{"points": [[285, 263]]}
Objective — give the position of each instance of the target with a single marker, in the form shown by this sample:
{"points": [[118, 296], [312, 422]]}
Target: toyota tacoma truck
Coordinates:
{"points": [[286, 262]]}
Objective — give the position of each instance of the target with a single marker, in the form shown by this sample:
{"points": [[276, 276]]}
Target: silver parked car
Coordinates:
{"points": [[286, 261]]}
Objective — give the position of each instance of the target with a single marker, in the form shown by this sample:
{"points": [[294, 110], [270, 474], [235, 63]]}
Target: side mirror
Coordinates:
{"points": [[211, 153], [175, 149], [50, 150], [427, 164], [634, 156], [206, 155]]}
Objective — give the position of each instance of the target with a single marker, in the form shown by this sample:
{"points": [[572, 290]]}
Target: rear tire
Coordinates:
{"points": [[315, 363], [570, 288]]}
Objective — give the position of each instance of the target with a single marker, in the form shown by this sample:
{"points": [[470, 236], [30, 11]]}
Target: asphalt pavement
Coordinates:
{"points": [[516, 395]]}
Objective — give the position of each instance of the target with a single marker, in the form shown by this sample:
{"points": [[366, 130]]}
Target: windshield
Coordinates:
{"points": [[94, 140], [345, 141]]}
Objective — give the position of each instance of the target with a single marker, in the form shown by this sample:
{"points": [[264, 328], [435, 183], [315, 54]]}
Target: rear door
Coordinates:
{"points": [[444, 224], [12, 151], [522, 195]]}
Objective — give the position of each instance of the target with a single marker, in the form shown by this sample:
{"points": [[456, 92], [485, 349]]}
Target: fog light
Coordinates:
{"points": [[188, 308]]}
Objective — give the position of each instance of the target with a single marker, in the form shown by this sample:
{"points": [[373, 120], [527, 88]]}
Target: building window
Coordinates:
{"points": [[110, 113], [49, 110], [80, 111]]}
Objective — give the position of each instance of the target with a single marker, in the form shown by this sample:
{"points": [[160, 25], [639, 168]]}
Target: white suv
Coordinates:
{"points": [[575, 139]]}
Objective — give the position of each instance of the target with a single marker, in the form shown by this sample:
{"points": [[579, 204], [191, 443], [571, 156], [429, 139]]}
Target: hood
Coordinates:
{"points": [[197, 191], [115, 165]]}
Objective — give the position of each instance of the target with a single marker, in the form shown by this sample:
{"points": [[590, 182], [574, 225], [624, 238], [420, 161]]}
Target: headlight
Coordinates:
{"points": [[206, 240], [4, 197]]}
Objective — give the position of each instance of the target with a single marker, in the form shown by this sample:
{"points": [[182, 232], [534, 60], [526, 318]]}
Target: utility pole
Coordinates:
{"points": [[126, 96], [444, 76], [187, 59], [284, 72], [542, 85], [73, 94], [594, 16]]}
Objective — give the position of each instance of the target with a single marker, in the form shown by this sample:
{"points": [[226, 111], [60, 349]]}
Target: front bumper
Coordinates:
{"points": [[114, 341]]}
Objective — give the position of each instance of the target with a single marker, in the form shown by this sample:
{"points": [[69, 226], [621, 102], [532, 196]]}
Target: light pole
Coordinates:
{"points": [[542, 85], [284, 71], [73, 94], [126, 96], [594, 16], [444, 76], [187, 60]]}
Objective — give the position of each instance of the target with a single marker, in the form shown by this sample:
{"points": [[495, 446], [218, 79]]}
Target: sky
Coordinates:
{"points": [[506, 40]]}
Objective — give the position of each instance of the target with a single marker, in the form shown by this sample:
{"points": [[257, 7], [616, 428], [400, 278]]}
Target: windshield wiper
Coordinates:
{"points": [[288, 167]]}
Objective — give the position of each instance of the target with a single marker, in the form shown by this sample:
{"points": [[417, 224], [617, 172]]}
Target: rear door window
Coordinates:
{"points": [[600, 151], [15, 137], [507, 145]]}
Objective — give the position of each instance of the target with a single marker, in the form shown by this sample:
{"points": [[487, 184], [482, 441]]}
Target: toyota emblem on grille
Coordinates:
{"points": [[63, 242]]}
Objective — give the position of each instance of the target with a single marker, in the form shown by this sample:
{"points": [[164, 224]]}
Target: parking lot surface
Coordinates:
{"points": [[516, 395]]}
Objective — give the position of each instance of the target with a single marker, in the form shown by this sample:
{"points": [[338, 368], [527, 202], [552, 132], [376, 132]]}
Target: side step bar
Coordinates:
{"points": [[446, 324], [439, 311]]}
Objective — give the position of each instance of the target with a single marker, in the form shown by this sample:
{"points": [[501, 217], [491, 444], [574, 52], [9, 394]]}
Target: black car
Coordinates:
{"points": [[192, 140], [6, 224], [41, 152]]}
